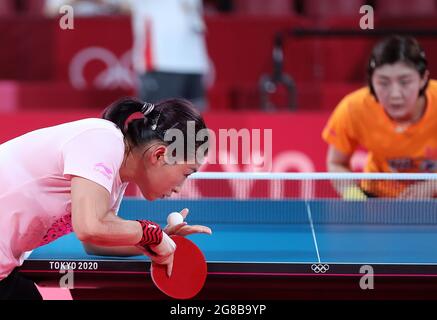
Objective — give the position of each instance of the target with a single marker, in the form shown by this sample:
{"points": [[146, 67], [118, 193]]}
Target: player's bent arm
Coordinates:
{"points": [[337, 161], [94, 222], [119, 251]]}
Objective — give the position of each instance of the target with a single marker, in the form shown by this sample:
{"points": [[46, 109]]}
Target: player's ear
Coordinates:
{"points": [[424, 80], [158, 154]]}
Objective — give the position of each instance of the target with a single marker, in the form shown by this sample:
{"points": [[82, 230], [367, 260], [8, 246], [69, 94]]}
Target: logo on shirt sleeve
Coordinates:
{"points": [[103, 169]]}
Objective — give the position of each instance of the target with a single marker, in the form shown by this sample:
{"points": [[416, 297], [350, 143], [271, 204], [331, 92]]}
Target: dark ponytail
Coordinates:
{"points": [[165, 115]]}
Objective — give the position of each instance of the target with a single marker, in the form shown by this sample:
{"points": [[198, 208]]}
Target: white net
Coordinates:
{"points": [[350, 186]]}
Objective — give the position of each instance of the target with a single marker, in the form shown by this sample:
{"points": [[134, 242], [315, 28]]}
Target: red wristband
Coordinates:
{"points": [[152, 233]]}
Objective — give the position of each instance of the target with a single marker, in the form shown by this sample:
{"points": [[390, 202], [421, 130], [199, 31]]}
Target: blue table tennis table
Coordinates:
{"points": [[271, 249]]}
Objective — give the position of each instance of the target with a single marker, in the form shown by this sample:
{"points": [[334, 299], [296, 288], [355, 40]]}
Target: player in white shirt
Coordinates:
{"points": [[72, 177]]}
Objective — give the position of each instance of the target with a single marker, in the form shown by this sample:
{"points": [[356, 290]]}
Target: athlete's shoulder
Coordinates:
{"points": [[356, 102], [431, 95], [432, 87], [359, 97], [89, 124], [432, 84]]}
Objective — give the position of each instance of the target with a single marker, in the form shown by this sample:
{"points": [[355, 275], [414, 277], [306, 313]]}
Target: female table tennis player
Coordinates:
{"points": [[394, 118], [73, 177]]}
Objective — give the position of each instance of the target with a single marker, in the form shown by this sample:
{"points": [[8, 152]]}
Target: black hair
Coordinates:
{"points": [[153, 124], [394, 49]]}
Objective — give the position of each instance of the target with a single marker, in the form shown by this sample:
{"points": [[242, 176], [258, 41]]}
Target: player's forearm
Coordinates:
{"points": [[111, 231], [118, 251], [340, 185], [347, 189], [337, 167]]}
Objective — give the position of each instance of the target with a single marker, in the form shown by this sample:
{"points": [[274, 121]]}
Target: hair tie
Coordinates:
{"points": [[147, 108], [422, 54], [155, 122]]}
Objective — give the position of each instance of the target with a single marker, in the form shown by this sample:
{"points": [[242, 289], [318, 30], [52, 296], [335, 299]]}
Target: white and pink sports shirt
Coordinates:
{"points": [[35, 182]]}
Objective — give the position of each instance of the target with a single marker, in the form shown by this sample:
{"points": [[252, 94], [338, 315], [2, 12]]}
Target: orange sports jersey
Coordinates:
{"points": [[359, 120]]}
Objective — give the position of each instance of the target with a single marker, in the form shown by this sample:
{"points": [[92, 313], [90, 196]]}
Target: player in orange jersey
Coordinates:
{"points": [[394, 118]]}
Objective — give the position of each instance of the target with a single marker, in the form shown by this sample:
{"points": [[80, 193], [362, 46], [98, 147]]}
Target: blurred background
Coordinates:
{"points": [[278, 64]]}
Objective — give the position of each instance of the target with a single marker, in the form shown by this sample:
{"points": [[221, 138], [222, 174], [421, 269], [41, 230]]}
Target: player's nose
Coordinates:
{"points": [[396, 92]]}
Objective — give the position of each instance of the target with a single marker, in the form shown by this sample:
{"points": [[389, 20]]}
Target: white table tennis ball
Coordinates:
{"points": [[174, 218]]}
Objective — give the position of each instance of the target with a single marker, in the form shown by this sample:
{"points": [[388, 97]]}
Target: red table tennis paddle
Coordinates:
{"points": [[188, 274]]}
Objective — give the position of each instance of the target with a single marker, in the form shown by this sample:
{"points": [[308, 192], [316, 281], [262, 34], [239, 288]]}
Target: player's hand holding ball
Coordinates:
{"points": [[177, 226], [420, 190]]}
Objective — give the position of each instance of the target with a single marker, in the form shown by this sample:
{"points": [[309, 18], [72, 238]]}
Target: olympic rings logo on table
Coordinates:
{"points": [[320, 267]]}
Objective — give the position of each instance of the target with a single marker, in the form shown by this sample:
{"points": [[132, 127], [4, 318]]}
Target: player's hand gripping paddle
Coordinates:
{"points": [[188, 274]]}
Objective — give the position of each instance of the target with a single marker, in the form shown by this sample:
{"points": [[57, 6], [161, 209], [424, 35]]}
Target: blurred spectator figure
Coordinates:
{"points": [[169, 50], [81, 7]]}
